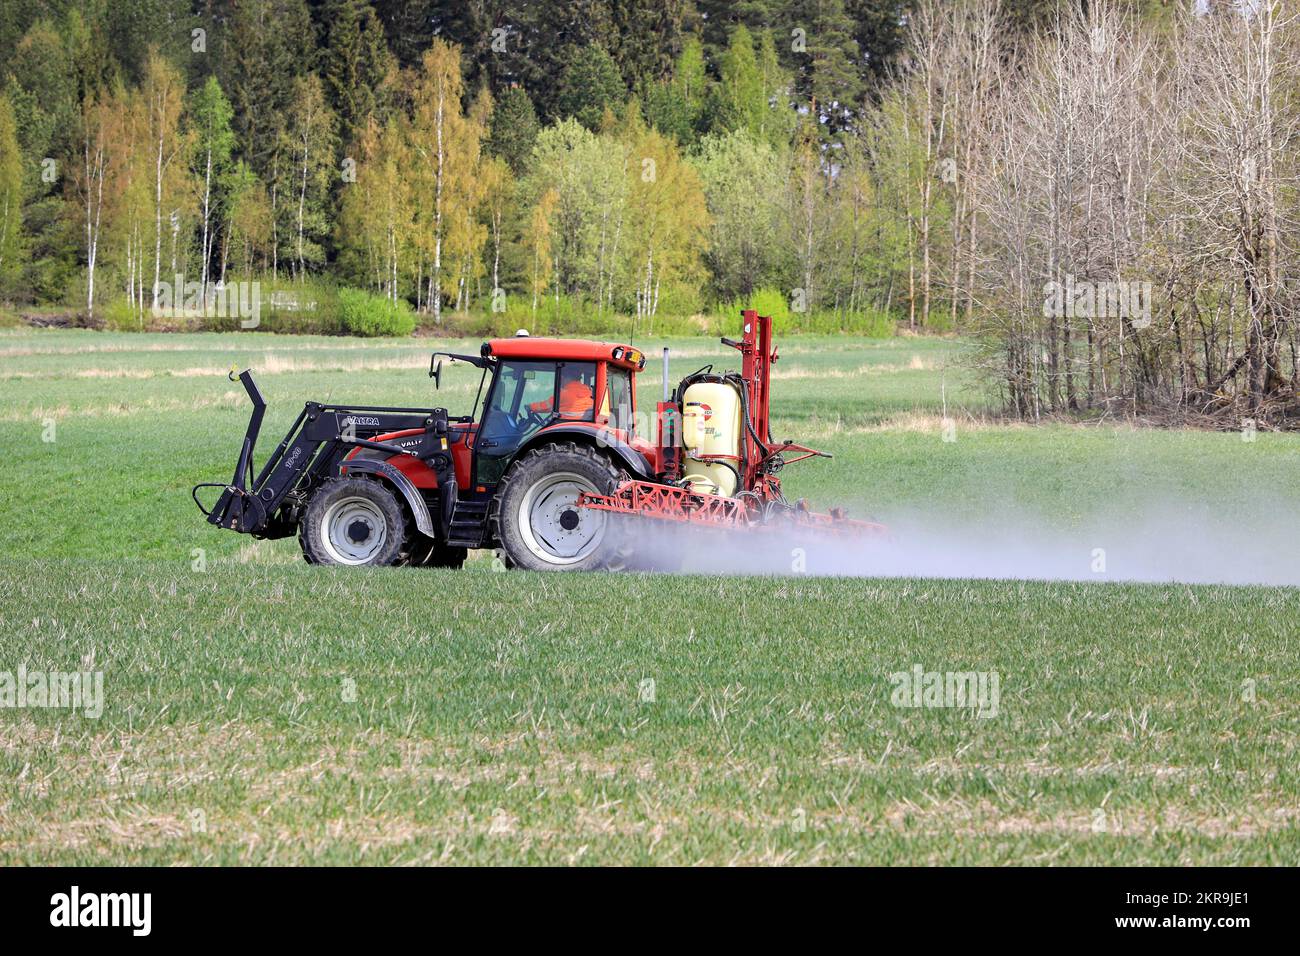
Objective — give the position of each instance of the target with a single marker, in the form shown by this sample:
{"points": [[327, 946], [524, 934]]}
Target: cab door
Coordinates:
{"points": [[527, 396], [508, 418]]}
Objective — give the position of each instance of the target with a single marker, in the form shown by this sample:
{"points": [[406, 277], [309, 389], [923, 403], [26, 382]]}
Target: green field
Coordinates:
{"points": [[262, 711]]}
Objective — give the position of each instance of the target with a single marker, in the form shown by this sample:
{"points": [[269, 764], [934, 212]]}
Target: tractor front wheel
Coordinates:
{"points": [[353, 521], [538, 521]]}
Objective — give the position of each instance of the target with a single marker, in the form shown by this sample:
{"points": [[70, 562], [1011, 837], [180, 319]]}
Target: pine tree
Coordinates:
{"points": [[541, 41], [42, 86], [830, 80], [137, 29], [591, 84], [356, 64], [514, 129], [648, 35], [267, 45], [878, 28], [721, 17], [407, 25]]}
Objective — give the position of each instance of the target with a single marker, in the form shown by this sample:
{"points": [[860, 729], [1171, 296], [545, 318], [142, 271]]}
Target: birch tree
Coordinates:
{"points": [[307, 165], [210, 115], [163, 91], [11, 197], [447, 145]]}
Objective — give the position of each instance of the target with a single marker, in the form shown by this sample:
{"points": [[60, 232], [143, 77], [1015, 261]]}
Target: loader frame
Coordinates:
{"points": [[317, 448]]}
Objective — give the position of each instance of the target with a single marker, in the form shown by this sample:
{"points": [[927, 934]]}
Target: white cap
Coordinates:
{"points": [[522, 332]]}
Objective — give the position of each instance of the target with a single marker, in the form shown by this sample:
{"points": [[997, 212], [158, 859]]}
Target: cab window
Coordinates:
{"points": [[578, 391], [618, 382], [524, 399], [518, 386]]}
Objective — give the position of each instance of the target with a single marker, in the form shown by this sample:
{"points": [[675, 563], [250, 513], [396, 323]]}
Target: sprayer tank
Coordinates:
{"points": [[711, 422]]}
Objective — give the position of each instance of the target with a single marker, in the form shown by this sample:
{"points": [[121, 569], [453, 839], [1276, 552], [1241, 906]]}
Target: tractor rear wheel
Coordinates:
{"points": [[353, 521], [538, 521]]}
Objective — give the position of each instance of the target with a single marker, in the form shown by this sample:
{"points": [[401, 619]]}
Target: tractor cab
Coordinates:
{"points": [[534, 385]]}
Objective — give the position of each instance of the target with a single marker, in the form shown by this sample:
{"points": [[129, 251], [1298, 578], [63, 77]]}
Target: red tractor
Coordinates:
{"points": [[554, 474]]}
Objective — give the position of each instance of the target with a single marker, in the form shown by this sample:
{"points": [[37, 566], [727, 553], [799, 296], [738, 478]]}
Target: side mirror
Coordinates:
{"points": [[435, 371]]}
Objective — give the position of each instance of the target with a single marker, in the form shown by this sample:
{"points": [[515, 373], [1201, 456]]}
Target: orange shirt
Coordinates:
{"points": [[576, 400]]}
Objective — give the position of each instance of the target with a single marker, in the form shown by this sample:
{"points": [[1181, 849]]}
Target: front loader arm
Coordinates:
{"points": [[315, 450]]}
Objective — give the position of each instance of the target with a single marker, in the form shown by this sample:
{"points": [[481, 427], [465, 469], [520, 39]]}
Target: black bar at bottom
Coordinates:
{"points": [[962, 906]]}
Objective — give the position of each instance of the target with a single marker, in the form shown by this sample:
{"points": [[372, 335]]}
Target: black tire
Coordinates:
{"points": [[367, 523], [535, 522]]}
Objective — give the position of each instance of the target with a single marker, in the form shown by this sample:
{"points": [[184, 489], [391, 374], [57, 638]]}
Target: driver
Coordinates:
{"points": [[576, 400]]}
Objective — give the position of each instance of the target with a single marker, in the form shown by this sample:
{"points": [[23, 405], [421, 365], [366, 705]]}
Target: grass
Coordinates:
{"points": [[408, 716]]}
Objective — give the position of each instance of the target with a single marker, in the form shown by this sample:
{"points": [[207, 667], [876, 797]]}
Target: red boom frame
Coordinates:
{"points": [[750, 509]]}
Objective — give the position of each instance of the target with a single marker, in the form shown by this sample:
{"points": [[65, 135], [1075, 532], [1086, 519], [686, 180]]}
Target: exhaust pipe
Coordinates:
{"points": [[668, 435]]}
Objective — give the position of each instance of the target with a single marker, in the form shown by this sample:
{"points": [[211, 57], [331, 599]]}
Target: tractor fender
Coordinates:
{"points": [[423, 523], [634, 461]]}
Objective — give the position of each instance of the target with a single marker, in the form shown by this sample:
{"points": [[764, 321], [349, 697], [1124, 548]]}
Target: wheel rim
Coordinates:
{"points": [[354, 530], [552, 525]]}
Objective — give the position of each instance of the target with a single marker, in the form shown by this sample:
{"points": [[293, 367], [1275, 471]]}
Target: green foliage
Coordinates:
{"points": [[11, 200], [741, 94], [665, 109], [119, 315], [355, 65], [588, 174], [364, 313], [675, 107], [591, 84], [572, 316], [868, 321], [133, 28], [744, 183], [285, 90], [647, 33], [831, 77], [209, 115], [266, 46], [307, 174], [514, 129]]}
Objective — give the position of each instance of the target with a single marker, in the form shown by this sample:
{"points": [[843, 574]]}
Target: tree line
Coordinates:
{"points": [[1102, 193], [445, 155]]}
